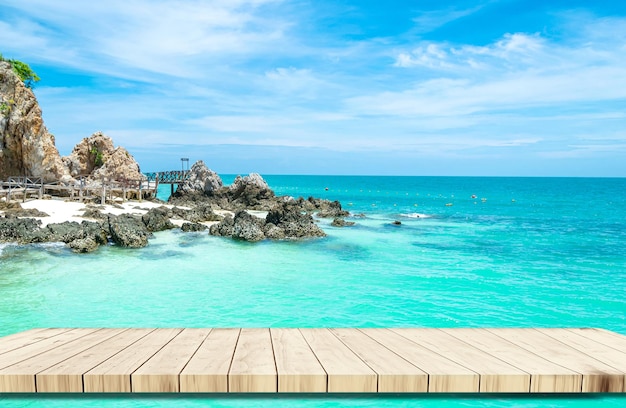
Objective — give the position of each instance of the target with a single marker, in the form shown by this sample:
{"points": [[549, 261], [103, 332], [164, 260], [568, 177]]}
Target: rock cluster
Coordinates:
{"points": [[129, 231], [284, 221]]}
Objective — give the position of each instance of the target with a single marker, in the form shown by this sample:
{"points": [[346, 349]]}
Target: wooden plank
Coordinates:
{"points": [[444, 374], [253, 368], [20, 377], [597, 376], [67, 376], [599, 351], [113, 375], [160, 373], [546, 376], [346, 371], [395, 374], [33, 349], [608, 338], [297, 367], [19, 340], [207, 371], [495, 374]]}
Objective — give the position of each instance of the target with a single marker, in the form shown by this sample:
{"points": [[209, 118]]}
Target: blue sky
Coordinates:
{"points": [[501, 87]]}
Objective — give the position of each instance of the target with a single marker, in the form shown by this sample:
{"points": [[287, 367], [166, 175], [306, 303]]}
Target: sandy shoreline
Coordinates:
{"points": [[60, 211]]}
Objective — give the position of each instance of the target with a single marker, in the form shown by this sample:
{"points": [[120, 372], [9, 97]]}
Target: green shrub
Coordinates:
{"points": [[23, 70], [26, 74], [98, 158]]}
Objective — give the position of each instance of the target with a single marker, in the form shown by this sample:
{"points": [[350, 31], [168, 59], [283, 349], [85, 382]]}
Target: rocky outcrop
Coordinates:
{"points": [[96, 158], [26, 146], [284, 221], [340, 222], [83, 237], [193, 227], [28, 149], [201, 180], [128, 231], [158, 219], [289, 216], [250, 192]]}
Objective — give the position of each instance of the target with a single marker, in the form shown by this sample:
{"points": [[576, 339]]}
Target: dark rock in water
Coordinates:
{"points": [[340, 222], [68, 232], [20, 230], [128, 231], [331, 209], [224, 228], [248, 227], [193, 227], [158, 219], [289, 217], [83, 245], [396, 222], [271, 231], [200, 213]]}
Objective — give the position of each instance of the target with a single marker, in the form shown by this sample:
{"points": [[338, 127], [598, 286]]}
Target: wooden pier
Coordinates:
{"points": [[313, 361]]}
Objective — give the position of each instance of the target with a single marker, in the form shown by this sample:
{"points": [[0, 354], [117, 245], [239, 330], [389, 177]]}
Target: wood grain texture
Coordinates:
{"points": [[160, 373], [313, 360], [207, 371], [28, 368], [67, 376], [546, 376], [346, 371], [297, 366], [113, 375], [22, 339], [253, 368], [444, 374], [597, 376], [395, 374]]}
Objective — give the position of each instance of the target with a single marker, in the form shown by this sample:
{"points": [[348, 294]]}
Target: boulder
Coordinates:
{"points": [[68, 232], [330, 209], [200, 213], [224, 228], [193, 227], [247, 227], [297, 224], [83, 245], [340, 222], [201, 180], [128, 231], [250, 192], [158, 219], [20, 230], [271, 231]]}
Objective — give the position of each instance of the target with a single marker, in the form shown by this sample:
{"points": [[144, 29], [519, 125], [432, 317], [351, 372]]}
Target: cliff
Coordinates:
{"points": [[26, 146], [28, 149]]}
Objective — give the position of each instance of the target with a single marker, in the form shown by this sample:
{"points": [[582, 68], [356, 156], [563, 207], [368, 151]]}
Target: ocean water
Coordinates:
{"points": [[525, 252]]}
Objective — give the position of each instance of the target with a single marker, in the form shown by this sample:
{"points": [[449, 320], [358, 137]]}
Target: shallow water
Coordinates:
{"points": [[523, 253]]}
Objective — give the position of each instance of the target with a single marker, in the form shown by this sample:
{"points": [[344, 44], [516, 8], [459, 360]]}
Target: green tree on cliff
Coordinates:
{"points": [[24, 71]]}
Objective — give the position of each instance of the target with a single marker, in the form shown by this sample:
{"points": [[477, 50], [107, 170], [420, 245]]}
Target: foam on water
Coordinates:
{"points": [[415, 215]]}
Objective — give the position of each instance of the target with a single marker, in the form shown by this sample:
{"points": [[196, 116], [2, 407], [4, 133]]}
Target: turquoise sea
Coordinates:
{"points": [[526, 252]]}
